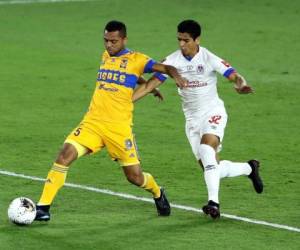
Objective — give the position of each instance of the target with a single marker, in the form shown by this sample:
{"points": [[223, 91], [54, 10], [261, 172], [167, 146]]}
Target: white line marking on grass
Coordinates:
{"points": [[132, 197], [12, 2]]}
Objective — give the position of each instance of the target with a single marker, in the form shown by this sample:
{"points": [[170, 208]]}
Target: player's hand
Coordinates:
{"points": [[181, 82], [246, 89], [158, 94]]}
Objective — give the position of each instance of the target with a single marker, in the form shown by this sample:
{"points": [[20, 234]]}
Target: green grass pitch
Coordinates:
{"points": [[49, 56]]}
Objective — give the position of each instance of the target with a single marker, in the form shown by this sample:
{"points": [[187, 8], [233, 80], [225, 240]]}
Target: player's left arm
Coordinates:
{"points": [[240, 84], [224, 68]]}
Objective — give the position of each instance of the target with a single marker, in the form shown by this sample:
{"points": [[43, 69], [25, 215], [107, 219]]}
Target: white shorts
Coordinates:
{"points": [[212, 122]]}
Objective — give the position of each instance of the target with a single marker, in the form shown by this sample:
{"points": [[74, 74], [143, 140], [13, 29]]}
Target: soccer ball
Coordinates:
{"points": [[21, 211]]}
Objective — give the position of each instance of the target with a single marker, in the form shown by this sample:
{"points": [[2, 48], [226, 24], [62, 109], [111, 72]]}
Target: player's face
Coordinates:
{"points": [[114, 42], [188, 46]]}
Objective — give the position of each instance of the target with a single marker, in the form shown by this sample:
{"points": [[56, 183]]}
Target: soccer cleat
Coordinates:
{"points": [[212, 208], [162, 204], [254, 176], [42, 213]]}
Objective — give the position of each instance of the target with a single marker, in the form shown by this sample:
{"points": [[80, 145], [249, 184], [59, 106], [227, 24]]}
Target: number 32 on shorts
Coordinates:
{"points": [[215, 119]]}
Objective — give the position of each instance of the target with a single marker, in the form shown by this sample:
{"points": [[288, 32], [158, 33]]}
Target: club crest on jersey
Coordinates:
{"points": [[128, 144], [200, 69], [123, 63]]}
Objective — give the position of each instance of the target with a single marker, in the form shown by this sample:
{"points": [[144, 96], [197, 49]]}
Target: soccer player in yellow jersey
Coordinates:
{"points": [[108, 120]]}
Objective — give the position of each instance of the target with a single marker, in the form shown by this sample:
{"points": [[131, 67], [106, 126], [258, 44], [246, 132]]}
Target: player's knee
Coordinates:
{"points": [[67, 155], [135, 178], [134, 174], [210, 140]]}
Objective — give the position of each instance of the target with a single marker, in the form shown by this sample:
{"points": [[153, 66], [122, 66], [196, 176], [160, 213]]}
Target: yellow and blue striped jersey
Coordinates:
{"points": [[116, 80]]}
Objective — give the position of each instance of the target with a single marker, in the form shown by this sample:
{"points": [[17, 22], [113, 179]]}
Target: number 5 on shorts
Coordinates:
{"points": [[77, 131]]}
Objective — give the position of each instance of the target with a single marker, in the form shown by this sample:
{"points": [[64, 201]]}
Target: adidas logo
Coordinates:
{"points": [[48, 181], [132, 155]]}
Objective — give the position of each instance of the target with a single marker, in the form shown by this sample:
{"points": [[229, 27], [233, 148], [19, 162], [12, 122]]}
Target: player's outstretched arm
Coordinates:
{"points": [[172, 72], [240, 83], [146, 87]]}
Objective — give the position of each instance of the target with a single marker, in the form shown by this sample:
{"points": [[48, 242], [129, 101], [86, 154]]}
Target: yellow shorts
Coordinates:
{"points": [[117, 138]]}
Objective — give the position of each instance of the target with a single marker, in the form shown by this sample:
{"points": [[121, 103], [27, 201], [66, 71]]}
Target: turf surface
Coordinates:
{"points": [[49, 55]]}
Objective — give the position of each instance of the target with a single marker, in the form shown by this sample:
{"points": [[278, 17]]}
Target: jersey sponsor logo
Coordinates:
{"points": [[102, 86], [225, 63], [196, 84], [215, 119], [111, 76], [117, 77]]}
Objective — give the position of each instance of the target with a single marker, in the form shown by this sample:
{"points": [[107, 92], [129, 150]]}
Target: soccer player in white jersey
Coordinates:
{"points": [[204, 111]]}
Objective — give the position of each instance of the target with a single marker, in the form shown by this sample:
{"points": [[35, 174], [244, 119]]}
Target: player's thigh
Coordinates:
{"points": [[120, 143], [192, 131], [87, 135]]}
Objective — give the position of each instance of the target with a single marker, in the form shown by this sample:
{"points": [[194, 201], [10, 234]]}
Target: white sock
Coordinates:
{"points": [[232, 169], [211, 171]]}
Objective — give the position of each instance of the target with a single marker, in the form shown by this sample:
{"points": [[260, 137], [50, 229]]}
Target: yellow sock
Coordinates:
{"points": [[150, 185], [55, 180]]}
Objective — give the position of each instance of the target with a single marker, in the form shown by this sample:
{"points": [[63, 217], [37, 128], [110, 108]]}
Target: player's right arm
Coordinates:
{"points": [[172, 72]]}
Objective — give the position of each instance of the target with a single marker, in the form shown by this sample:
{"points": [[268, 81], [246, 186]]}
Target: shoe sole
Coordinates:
{"points": [[42, 219]]}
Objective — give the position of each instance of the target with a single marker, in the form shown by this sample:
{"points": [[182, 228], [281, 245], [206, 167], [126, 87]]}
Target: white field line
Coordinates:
{"points": [[132, 197], [12, 2]]}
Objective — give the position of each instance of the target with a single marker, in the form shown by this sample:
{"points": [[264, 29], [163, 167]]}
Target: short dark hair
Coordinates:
{"points": [[116, 26], [191, 27]]}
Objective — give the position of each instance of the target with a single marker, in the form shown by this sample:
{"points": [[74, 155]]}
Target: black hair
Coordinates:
{"points": [[191, 27], [116, 26]]}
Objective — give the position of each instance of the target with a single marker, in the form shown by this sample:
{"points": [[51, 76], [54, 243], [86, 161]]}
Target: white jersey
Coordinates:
{"points": [[201, 94]]}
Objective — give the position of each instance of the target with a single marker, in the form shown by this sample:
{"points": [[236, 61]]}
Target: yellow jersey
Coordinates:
{"points": [[116, 80]]}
